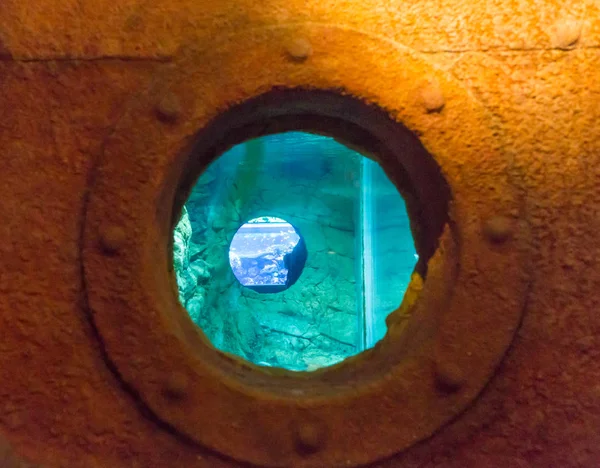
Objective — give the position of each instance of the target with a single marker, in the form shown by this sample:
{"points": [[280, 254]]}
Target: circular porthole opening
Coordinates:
{"points": [[267, 254], [302, 209]]}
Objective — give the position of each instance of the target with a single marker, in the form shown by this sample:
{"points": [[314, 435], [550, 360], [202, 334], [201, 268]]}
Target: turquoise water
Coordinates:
{"points": [[356, 265]]}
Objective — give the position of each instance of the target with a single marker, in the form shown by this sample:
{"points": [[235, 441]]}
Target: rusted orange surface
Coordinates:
{"points": [[70, 71]]}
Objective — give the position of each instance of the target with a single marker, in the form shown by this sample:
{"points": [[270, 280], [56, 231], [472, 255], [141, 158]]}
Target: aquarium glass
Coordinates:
{"points": [[291, 251]]}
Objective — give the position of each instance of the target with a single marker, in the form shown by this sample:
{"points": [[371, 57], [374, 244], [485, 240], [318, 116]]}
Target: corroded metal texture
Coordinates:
{"points": [[100, 104]]}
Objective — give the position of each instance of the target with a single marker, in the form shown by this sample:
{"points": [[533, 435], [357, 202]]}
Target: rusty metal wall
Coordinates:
{"points": [[70, 71]]}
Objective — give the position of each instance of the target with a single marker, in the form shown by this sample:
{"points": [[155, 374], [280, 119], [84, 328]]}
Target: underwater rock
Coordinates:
{"points": [[201, 270], [234, 326], [195, 307], [339, 326], [288, 324], [317, 207], [340, 242], [186, 281], [259, 269], [314, 236], [345, 303], [250, 336], [340, 210], [208, 177], [196, 250], [341, 223], [218, 225], [183, 233]]}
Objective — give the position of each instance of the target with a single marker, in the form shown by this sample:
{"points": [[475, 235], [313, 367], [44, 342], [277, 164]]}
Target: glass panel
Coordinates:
{"points": [[388, 249]]}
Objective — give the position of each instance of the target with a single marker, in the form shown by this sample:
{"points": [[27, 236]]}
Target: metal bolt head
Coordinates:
{"points": [[566, 34], [299, 49], [432, 97], [309, 436], [4, 52], [449, 377], [112, 239], [134, 22], [168, 108], [176, 385], [498, 229], [586, 343]]}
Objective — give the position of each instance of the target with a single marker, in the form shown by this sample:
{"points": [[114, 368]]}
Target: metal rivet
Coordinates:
{"points": [[134, 22], [309, 436], [176, 385], [433, 98], [299, 49], [112, 239], [168, 109], [4, 52], [449, 377], [498, 229], [566, 34], [586, 343]]}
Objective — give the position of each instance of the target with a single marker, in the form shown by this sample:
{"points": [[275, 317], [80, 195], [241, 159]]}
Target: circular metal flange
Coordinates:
{"points": [[438, 353]]}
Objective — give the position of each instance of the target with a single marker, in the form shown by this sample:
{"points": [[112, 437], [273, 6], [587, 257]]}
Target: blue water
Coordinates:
{"points": [[248, 212]]}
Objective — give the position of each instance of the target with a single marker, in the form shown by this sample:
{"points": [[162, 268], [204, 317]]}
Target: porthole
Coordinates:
{"points": [[442, 345]]}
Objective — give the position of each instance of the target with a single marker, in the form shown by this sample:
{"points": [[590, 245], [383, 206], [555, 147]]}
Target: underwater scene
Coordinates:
{"points": [[291, 251], [264, 252]]}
